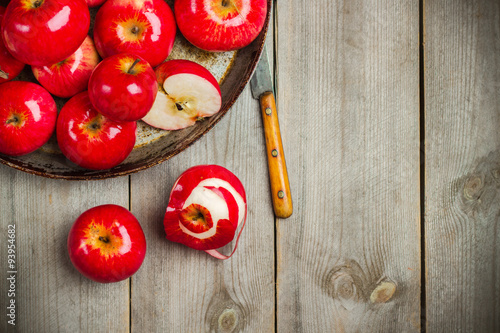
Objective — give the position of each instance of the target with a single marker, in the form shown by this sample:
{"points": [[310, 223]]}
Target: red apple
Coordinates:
{"points": [[142, 27], [27, 117], [10, 67], [106, 244], [220, 25], [123, 87], [95, 3], [91, 140], [43, 32], [206, 206], [187, 92], [70, 76]]}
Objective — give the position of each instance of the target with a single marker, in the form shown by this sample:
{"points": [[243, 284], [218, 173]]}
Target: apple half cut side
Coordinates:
{"points": [[207, 206], [187, 92]]}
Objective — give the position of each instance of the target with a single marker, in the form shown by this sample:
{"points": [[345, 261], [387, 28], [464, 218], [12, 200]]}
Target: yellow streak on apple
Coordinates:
{"points": [[31, 4], [226, 7], [126, 62]]}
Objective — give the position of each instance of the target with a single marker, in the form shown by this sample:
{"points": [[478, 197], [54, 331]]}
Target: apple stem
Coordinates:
{"points": [[130, 70], [37, 3], [13, 119], [226, 3], [4, 75], [104, 239], [179, 106], [134, 30]]}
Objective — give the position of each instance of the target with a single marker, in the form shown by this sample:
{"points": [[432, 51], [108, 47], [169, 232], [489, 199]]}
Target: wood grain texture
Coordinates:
{"points": [[179, 289], [50, 294], [348, 96], [462, 80]]}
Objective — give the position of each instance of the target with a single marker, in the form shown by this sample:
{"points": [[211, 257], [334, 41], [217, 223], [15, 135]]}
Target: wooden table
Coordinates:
{"points": [[390, 114]]}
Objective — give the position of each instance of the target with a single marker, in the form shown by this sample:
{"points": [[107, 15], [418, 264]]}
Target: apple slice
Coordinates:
{"points": [[187, 92]]}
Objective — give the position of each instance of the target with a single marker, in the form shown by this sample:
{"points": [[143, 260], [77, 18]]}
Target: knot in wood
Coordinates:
{"points": [[228, 320], [473, 188], [344, 288], [383, 292]]}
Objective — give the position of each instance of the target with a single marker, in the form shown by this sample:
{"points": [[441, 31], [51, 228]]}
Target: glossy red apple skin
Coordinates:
{"points": [[89, 139], [46, 34], [10, 67], [182, 190], [95, 3], [123, 87], [181, 66], [107, 244], [70, 76], [211, 26], [143, 27], [27, 117]]}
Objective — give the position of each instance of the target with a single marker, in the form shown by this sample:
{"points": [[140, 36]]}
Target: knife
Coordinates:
{"points": [[262, 90]]}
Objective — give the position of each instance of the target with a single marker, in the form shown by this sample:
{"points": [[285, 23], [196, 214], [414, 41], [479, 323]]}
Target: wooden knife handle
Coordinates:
{"points": [[280, 187]]}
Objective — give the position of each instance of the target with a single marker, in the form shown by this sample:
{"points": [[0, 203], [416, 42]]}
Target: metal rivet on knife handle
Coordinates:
{"points": [[280, 187]]}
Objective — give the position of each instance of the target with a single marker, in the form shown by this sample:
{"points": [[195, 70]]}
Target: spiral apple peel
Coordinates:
{"points": [[207, 206]]}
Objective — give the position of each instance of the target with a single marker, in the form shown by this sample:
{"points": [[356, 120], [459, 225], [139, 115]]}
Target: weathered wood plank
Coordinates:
{"points": [[348, 95], [462, 77], [50, 294], [183, 290]]}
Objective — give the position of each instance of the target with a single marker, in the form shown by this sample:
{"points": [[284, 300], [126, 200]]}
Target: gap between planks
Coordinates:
{"points": [[423, 269]]}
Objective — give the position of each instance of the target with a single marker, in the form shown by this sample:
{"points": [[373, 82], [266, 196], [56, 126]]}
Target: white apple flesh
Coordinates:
{"points": [[187, 92]]}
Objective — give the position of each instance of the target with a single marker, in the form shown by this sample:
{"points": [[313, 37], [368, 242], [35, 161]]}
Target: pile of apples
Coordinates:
{"points": [[115, 77]]}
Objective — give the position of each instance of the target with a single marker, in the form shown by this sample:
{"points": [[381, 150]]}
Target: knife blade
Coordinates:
{"points": [[261, 85]]}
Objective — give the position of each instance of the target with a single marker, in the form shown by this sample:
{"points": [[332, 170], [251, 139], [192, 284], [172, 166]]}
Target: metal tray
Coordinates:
{"points": [[233, 71]]}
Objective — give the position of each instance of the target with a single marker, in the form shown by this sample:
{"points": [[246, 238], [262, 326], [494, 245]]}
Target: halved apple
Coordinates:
{"points": [[187, 92]]}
